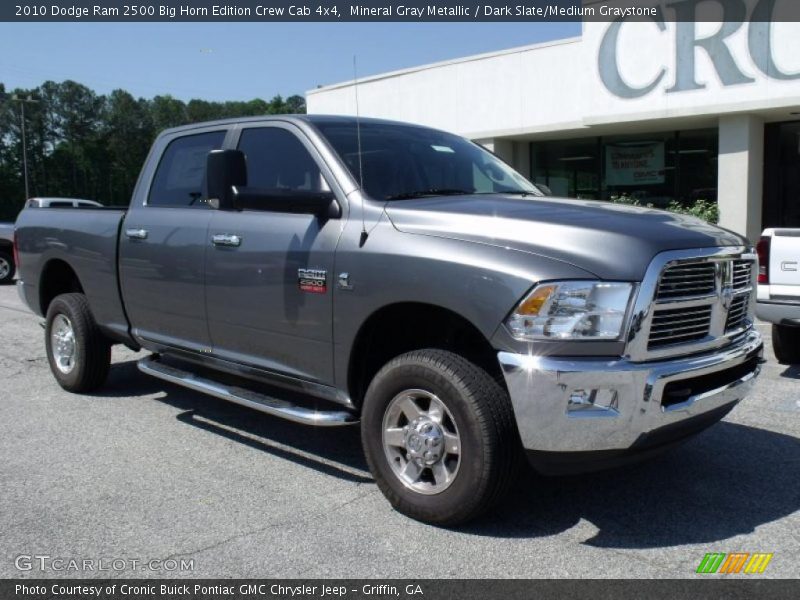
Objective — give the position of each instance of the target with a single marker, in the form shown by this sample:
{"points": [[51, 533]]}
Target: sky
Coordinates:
{"points": [[241, 61]]}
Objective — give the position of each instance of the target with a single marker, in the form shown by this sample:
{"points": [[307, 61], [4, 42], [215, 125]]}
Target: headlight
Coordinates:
{"points": [[572, 310]]}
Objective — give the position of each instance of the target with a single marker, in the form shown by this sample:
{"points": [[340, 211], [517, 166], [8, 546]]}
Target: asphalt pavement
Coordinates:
{"points": [[146, 471]]}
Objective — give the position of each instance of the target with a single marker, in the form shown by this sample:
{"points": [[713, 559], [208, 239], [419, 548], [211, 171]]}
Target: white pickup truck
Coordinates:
{"points": [[779, 290]]}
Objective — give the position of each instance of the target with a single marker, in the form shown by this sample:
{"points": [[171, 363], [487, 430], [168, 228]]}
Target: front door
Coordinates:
{"points": [[163, 246], [269, 275]]}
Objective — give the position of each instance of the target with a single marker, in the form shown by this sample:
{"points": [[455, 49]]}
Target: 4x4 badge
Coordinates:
{"points": [[313, 281]]}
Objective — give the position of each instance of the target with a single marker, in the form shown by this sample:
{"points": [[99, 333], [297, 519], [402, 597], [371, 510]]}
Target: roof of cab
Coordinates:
{"points": [[312, 119]]}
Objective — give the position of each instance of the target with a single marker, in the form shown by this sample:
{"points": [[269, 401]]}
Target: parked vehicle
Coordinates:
{"points": [[8, 265], [62, 203], [779, 290], [329, 271]]}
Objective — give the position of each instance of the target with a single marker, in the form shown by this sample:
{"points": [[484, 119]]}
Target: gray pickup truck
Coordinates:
{"points": [[332, 271]]}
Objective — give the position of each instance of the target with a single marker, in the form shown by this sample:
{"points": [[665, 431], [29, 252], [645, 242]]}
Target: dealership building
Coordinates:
{"points": [[656, 111]]}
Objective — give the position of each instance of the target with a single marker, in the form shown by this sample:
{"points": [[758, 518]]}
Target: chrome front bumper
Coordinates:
{"points": [[549, 396]]}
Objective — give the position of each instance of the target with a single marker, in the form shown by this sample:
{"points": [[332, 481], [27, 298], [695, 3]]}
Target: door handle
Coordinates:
{"points": [[136, 234], [226, 239]]}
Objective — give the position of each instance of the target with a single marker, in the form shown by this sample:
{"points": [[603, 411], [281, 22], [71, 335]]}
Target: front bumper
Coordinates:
{"points": [[640, 400]]}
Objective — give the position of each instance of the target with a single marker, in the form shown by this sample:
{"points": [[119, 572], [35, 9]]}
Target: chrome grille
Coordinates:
{"points": [[737, 314], [679, 326], [742, 274], [697, 303], [687, 279]]}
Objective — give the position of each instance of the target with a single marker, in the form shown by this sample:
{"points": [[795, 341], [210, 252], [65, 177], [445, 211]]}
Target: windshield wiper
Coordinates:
{"points": [[429, 192]]}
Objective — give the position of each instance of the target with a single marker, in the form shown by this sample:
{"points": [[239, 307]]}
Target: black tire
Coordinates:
{"points": [[92, 351], [786, 344], [8, 267], [489, 440]]}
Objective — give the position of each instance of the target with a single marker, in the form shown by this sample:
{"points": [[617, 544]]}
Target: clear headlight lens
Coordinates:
{"points": [[572, 310]]}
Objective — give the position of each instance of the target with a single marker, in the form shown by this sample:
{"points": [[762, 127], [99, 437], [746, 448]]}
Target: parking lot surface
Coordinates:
{"points": [[146, 471]]}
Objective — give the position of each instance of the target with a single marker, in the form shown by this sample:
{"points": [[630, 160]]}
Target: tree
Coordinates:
{"points": [[82, 144]]}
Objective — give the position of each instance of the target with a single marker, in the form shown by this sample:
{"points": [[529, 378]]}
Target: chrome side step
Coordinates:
{"points": [[267, 404]]}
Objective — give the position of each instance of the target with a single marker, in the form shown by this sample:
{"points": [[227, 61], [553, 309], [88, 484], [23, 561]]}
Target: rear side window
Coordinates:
{"points": [[278, 160], [180, 178]]}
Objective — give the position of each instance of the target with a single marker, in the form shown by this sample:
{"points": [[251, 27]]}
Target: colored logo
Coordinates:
{"points": [[736, 562]]}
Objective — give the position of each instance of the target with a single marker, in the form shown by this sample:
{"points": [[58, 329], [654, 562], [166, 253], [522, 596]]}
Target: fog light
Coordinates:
{"points": [[594, 403]]}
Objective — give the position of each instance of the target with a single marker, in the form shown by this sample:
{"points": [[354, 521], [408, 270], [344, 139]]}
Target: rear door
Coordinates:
{"points": [[163, 244], [262, 311]]}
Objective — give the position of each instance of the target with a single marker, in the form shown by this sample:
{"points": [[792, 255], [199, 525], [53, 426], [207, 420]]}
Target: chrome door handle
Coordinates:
{"points": [[226, 239], [136, 234]]}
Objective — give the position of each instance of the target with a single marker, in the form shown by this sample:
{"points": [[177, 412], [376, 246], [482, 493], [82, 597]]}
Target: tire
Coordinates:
{"points": [[786, 344], [71, 331], [7, 267], [475, 408]]}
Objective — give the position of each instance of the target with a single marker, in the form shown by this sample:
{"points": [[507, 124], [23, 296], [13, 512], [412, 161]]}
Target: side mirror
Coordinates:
{"points": [[323, 204], [225, 169]]}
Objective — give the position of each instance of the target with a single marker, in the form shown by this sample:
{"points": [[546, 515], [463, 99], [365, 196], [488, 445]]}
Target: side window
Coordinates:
{"points": [[181, 174], [278, 160]]}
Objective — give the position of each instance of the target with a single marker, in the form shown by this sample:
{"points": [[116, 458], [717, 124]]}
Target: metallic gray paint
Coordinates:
{"points": [[238, 309], [85, 239], [163, 276], [612, 241], [256, 312]]}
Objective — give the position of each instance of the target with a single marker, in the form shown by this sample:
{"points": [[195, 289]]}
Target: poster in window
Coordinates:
{"points": [[635, 164]]}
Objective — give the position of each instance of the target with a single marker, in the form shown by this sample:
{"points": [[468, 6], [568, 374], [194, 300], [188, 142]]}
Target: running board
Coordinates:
{"points": [[261, 402]]}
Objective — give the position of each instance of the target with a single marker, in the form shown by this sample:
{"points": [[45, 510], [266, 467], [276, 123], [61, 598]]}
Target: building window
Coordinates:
{"points": [[781, 206], [569, 168], [652, 168]]}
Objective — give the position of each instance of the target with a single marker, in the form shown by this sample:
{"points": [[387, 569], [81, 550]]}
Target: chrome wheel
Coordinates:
{"points": [[421, 441], [63, 344], [5, 268]]}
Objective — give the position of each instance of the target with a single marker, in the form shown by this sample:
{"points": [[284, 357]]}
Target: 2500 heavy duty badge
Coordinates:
{"points": [[312, 280]]}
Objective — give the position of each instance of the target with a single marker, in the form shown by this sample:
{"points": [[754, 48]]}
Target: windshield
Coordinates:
{"points": [[403, 161]]}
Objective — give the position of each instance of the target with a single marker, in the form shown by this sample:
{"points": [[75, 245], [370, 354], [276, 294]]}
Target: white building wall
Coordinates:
{"points": [[558, 87], [486, 96], [741, 173]]}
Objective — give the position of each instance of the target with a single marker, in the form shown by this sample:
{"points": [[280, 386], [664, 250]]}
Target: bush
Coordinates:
{"points": [[702, 209]]}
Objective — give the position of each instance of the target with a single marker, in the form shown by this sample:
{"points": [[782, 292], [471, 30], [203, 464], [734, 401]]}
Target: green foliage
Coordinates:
{"points": [[702, 209], [85, 145]]}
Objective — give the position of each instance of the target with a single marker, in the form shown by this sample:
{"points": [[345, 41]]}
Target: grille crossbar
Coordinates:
{"points": [[687, 279], [680, 315]]}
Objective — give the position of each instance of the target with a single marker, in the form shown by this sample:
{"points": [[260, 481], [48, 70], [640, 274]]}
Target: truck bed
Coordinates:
{"points": [[87, 239]]}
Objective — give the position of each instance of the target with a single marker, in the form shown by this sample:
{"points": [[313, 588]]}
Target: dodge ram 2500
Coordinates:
{"points": [[331, 271]]}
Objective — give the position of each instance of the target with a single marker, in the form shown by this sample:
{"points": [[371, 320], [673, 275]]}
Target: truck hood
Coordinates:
{"points": [[613, 241]]}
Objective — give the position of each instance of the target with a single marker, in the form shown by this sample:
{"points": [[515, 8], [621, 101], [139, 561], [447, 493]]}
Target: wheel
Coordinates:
{"points": [[440, 437], [786, 344], [7, 267], [79, 355]]}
